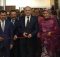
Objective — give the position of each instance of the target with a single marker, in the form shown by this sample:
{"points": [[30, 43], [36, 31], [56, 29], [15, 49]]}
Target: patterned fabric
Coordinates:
{"points": [[44, 53], [49, 26]]}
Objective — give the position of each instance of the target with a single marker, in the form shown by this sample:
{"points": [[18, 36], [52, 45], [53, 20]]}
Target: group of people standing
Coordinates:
{"points": [[28, 35]]}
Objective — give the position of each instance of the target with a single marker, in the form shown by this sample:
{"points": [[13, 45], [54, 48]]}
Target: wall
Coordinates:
{"points": [[31, 3]]}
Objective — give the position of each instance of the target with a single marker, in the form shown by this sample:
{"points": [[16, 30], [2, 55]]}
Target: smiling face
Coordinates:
{"points": [[27, 11], [3, 15], [13, 15]]}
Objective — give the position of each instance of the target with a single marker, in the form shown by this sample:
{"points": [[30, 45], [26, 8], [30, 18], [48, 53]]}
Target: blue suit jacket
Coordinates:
{"points": [[14, 25], [7, 34]]}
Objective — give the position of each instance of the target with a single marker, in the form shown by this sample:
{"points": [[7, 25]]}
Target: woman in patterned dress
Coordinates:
{"points": [[49, 32]]}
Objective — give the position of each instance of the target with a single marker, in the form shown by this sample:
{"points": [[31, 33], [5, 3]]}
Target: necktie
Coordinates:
{"points": [[27, 25], [3, 25], [27, 21]]}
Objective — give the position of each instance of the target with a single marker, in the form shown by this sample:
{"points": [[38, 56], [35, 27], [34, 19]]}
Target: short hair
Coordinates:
{"points": [[13, 11], [3, 11]]}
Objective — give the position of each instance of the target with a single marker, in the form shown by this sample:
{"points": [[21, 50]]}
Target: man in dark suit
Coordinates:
{"points": [[13, 19], [27, 29], [6, 33]]}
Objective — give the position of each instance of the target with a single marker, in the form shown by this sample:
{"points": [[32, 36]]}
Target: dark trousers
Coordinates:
{"points": [[14, 52], [5, 52], [58, 53], [38, 48], [26, 47]]}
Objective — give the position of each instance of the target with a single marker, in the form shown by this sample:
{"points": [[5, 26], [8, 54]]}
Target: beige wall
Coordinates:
{"points": [[38, 3], [3, 3], [59, 3], [0, 2], [31, 3], [52, 2]]}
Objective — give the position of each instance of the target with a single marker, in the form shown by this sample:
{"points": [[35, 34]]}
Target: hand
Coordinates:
{"points": [[15, 37], [29, 36], [1, 38], [25, 34], [49, 33], [11, 46]]}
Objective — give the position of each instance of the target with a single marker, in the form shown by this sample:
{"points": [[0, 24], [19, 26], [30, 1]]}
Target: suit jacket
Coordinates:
{"points": [[14, 25], [32, 29], [33, 26], [6, 34]]}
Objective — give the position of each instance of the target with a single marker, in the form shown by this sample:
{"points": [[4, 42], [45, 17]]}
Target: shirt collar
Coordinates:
{"points": [[2, 21], [28, 16]]}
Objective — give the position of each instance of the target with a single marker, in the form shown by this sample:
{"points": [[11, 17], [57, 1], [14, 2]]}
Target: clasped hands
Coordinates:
{"points": [[27, 35]]}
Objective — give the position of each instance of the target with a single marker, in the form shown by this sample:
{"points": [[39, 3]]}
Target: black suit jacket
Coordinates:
{"points": [[33, 26]]}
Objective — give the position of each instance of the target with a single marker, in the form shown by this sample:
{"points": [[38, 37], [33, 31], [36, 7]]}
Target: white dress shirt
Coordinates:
{"points": [[26, 18], [2, 24], [13, 21]]}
